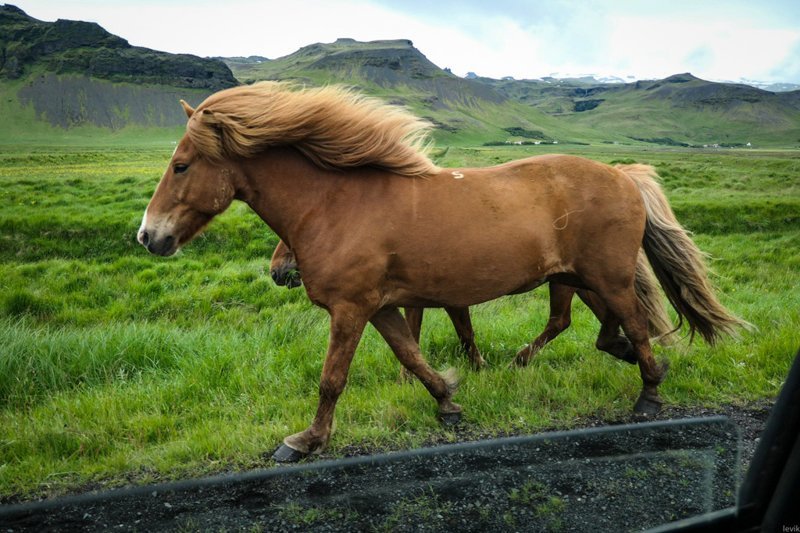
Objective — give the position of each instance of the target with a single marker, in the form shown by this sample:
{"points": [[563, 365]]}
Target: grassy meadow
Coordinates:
{"points": [[117, 366]]}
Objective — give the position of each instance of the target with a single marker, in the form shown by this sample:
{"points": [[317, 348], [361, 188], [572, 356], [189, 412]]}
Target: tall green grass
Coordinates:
{"points": [[117, 366]]}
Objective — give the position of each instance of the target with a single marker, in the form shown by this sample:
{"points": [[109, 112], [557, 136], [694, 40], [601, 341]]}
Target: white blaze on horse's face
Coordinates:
{"points": [[191, 192], [142, 228]]}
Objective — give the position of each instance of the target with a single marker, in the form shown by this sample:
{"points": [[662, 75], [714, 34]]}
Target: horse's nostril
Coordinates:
{"points": [[274, 274], [145, 238]]}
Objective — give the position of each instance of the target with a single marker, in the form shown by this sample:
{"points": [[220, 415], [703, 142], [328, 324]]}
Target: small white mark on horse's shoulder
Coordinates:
{"points": [[457, 175]]}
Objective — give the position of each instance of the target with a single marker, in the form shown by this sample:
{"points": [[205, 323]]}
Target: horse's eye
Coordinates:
{"points": [[180, 168]]}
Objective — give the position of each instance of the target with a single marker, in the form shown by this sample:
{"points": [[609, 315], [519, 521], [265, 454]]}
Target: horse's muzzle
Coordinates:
{"points": [[159, 246], [290, 278]]}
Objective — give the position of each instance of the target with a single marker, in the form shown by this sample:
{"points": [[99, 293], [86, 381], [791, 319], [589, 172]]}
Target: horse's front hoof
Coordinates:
{"points": [[450, 419], [285, 454], [647, 405]]}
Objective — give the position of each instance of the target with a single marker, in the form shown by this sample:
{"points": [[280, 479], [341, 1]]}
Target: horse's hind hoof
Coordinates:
{"points": [[647, 405], [450, 419], [285, 454]]}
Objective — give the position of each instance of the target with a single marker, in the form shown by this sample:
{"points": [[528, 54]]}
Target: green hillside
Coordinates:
{"points": [[679, 110]]}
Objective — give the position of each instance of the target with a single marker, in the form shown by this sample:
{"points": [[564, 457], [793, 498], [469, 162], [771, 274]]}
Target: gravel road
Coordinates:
{"points": [[646, 474]]}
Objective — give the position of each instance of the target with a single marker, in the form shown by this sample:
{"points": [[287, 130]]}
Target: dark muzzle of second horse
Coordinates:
{"points": [[289, 277]]}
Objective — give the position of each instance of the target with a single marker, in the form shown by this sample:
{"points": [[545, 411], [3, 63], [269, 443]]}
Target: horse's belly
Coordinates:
{"points": [[466, 283], [456, 296]]}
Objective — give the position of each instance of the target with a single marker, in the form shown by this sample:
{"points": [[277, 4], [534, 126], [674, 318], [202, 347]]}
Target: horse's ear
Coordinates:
{"points": [[187, 109]]}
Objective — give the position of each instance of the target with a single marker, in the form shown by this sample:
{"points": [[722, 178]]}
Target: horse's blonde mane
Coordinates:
{"points": [[333, 126]]}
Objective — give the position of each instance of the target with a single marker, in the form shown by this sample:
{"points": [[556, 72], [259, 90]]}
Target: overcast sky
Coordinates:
{"points": [[712, 39]]}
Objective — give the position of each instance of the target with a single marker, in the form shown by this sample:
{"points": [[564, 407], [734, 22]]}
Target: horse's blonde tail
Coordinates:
{"points": [[679, 264], [659, 325]]}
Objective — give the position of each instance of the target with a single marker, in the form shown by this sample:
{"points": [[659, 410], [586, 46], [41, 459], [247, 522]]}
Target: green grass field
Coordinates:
{"points": [[117, 366]]}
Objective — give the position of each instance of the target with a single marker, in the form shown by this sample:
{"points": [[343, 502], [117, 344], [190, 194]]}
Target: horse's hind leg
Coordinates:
{"points": [[609, 340], [414, 320], [461, 321], [394, 329], [622, 303], [560, 317], [463, 326]]}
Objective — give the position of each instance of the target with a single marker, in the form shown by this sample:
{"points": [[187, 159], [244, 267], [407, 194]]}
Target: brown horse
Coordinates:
{"points": [[284, 271], [376, 226]]}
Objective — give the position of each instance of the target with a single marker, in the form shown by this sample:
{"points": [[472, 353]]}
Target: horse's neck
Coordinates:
{"points": [[284, 188]]}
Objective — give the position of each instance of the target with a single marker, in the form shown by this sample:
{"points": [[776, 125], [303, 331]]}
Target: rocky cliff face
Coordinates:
{"points": [[74, 47], [69, 101]]}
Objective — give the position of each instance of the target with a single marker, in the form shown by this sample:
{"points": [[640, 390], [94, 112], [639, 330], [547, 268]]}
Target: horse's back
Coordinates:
{"points": [[477, 233], [543, 188]]}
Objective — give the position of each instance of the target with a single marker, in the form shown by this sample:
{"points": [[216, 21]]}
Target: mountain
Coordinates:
{"points": [[76, 47], [678, 110], [461, 109], [595, 79], [65, 75], [767, 85], [394, 69], [374, 61], [681, 109], [74, 73]]}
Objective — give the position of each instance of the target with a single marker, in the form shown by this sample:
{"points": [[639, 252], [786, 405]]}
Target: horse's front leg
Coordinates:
{"points": [[347, 325], [394, 329]]}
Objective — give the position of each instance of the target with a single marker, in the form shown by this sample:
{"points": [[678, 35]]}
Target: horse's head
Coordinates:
{"points": [[192, 191], [283, 267]]}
